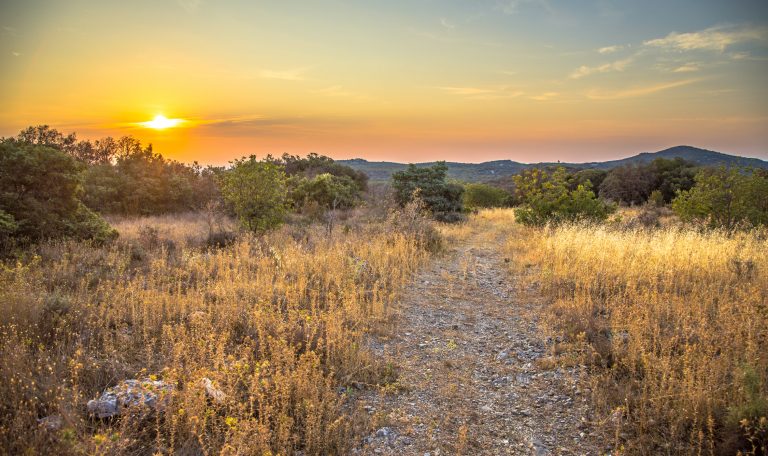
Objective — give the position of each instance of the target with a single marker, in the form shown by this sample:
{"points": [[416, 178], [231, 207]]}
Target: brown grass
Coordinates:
{"points": [[277, 323], [674, 324]]}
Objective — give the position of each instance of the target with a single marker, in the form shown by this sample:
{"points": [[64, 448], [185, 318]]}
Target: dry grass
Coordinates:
{"points": [[674, 324], [276, 323]]}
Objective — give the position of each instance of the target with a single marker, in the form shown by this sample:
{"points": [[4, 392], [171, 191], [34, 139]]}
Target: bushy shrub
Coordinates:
{"points": [[484, 196], [725, 198], [256, 192], [40, 191], [430, 185], [547, 199], [327, 190]]}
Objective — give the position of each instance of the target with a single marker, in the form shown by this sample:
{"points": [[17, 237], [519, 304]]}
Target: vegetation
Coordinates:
{"points": [[274, 323], [440, 197], [257, 193], [634, 184], [725, 198], [40, 190], [672, 323], [547, 199], [477, 196]]}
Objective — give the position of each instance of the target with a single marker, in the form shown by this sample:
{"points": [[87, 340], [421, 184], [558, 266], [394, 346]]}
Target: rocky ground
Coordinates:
{"points": [[469, 351]]}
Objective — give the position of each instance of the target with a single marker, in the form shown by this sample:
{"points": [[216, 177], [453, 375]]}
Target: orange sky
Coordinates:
{"points": [[419, 80]]}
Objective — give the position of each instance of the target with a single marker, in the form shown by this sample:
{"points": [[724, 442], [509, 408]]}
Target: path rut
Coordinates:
{"points": [[468, 346]]}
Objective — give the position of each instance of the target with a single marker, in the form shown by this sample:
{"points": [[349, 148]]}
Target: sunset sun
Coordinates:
{"points": [[160, 122]]}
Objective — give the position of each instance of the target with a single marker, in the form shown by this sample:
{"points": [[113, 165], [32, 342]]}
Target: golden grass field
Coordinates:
{"points": [[275, 322], [672, 321]]}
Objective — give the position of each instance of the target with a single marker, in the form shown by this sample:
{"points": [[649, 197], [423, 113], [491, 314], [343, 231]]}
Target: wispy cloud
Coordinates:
{"points": [[545, 96], [513, 6], [711, 39], [446, 23], [9, 31], [483, 93], [618, 65], [639, 91], [687, 68], [190, 6], [296, 74], [16, 54], [610, 49]]}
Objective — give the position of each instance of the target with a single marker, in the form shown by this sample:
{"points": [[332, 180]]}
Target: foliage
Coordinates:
{"points": [[429, 184], [594, 177], [633, 184], [547, 199], [327, 190], [484, 196], [630, 184], [121, 176], [725, 198], [314, 165], [40, 191], [256, 191]]}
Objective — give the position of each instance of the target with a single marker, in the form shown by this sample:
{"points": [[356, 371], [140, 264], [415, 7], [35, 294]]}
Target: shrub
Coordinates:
{"points": [[725, 198], [547, 199], [327, 190], [429, 184], [40, 191], [256, 192], [484, 196]]}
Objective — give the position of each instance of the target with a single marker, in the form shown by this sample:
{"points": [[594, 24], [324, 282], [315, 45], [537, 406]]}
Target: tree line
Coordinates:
{"points": [[54, 185]]}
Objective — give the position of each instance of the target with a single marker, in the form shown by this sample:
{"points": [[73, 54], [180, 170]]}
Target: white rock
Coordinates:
{"points": [[216, 395], [152, 394]]}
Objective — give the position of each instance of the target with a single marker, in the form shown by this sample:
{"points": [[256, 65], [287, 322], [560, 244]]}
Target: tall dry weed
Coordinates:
{"points": [[673, 324], [275, 323]]}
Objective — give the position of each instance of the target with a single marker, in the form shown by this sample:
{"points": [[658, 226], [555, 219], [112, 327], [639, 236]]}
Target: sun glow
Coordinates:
{"points": [[160, 122]]}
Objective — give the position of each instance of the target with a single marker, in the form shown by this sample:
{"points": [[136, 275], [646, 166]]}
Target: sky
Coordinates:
{"points": [[394, 80]]}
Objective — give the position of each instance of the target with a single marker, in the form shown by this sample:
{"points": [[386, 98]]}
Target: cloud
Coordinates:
{"points": [[639, 91], [483, 93], [446, 23], [610, 49], [545, 96], [16, 54], [296, 74], [248, 125], [512, 6], [711, 39], [618, 65], [687, 68], [190, 6]]}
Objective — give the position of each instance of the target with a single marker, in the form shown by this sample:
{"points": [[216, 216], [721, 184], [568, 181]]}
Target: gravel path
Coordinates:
{"points": [[469, 353]]}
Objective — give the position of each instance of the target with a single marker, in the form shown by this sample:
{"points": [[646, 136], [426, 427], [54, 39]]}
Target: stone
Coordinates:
{"points": [[147, 393], [51, 423], [213, 393]]}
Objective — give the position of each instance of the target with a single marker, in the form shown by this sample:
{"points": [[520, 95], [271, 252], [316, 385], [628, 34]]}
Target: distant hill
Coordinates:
{"points": [[493, 170]]}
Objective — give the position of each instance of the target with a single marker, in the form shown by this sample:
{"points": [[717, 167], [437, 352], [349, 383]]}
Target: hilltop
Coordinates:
{"points": [[474, 172]]}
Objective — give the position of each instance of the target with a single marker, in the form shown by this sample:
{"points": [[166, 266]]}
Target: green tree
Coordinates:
{"points": [[256, 192], [327, 190], [630, 184], [441, 198], [547, 199], [40, 190], [484, 196], [725, 198]]}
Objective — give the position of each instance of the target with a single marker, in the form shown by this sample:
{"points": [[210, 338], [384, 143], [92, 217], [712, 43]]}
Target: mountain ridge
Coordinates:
{"points": [[491, 170]]}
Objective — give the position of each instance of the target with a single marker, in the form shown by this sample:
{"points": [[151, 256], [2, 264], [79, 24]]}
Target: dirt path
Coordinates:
{"points": [[466, 345]]}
